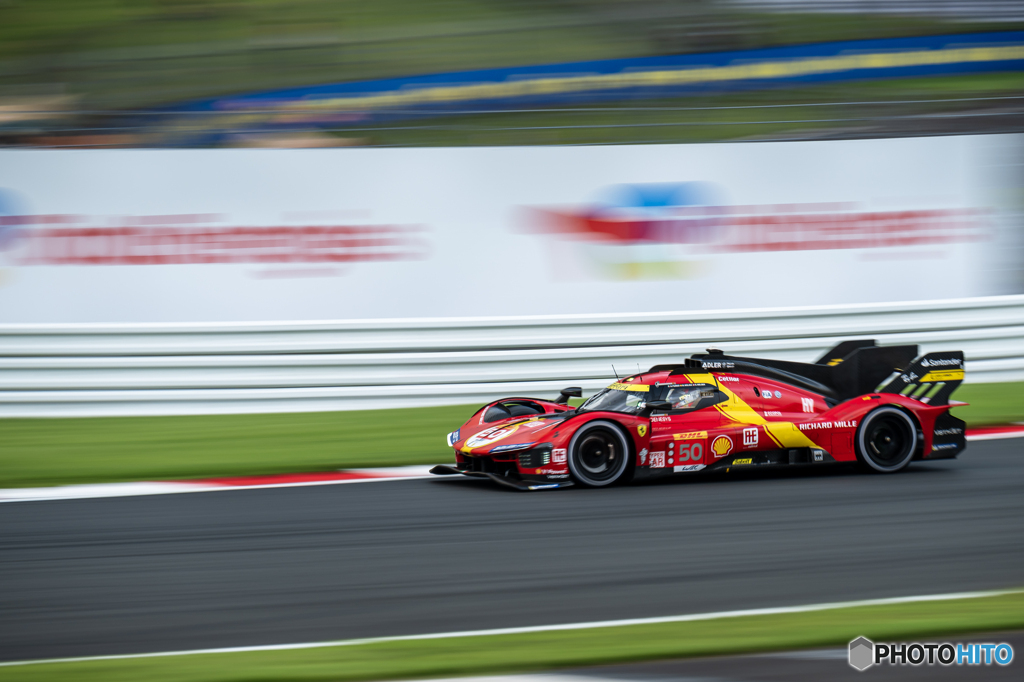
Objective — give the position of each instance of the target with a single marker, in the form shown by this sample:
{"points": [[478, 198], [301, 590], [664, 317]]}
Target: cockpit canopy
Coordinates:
{"points": [[632, 398]]}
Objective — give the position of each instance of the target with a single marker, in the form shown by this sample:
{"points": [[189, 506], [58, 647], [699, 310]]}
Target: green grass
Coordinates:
{"points": [[991, 403], [38, 452], [134, 53], [52, 451], [552, 650], [710, 117]]}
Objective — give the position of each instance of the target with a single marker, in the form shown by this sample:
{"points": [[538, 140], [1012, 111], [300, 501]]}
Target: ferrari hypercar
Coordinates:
{"points": [[880, 406]]}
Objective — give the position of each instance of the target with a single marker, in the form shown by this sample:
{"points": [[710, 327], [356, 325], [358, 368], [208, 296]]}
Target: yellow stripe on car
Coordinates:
{"points": [[788, 435], [785, 434], [943, 375], [642, 388]]}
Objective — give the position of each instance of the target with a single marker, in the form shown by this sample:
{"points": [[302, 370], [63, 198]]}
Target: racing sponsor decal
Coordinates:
{"points": [[743, 460], [690, 435], [688, 467], [661, 418], [643, 456], [788, 435], [690, 451], [642, 388], [750, 437], [700, 216], [778, 394], [553, 473], [811, 426], [558, 456], [533, 424], [512, 447], [784, 434], [641, 430], [728, 379], [658, 459], [721, 446], [717, 364], [772, 413], [766, 394], [196, 239], [948, 432], [943, 375], [808, 404], [941, 362], [491, 435]]}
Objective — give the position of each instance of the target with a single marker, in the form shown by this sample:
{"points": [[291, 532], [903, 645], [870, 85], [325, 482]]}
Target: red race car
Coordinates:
{"points": [[876, 405]]}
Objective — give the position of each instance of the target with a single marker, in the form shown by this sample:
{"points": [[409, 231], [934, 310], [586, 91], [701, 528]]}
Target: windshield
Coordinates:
{"points": [[683, 398], [629, 399], [632, 398]]}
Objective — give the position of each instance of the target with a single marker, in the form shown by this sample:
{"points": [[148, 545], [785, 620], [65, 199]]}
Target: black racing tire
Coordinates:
{"points": [[599, 454], [886, 440]]}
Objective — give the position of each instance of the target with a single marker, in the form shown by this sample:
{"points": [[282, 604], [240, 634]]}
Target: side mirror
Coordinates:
{"points": [[566, 393], [658, 406]]}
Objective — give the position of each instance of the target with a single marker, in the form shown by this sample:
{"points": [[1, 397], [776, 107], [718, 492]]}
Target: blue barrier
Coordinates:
{"points": [[657, 76], [357, 103]]}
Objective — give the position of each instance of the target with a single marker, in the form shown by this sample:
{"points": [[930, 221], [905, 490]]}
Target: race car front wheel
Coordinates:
{"points": [[598, 454], [886, 439]]}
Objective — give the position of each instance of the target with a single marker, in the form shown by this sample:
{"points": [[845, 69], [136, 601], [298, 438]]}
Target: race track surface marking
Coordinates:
{"points": [[373, 475], [806, 608]]}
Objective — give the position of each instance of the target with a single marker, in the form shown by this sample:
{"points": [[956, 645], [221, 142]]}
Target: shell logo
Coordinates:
{"points": [[721, 446]]}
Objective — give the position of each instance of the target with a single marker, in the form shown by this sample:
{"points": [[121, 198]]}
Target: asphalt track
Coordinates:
{"points": [[272, 566]]}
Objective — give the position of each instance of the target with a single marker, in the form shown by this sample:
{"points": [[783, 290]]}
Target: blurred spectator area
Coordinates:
{"points": [[964, 10], [72, 68], [139, 53]]}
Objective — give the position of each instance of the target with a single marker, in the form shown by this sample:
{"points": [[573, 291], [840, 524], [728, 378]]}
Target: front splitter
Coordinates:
{"points": [[515, 484]]}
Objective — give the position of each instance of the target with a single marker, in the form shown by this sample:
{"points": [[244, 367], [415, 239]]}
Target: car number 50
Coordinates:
{"points": [[690, 451]]}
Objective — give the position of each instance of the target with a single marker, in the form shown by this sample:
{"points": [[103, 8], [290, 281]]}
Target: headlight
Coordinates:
{"points": [[453, 437], [539, 456]]}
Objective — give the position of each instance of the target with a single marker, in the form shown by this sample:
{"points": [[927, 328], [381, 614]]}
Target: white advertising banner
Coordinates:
{"points": [[335, 234]]}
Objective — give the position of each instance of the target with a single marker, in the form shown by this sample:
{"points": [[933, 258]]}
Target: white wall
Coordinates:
{"points": [[467, 232]]}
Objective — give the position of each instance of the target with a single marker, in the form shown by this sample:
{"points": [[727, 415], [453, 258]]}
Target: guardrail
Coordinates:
{"points": [[153, 369]]}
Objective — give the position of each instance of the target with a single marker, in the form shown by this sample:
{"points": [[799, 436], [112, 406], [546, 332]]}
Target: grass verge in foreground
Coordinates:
{"points": [[39, 452], [560, 649]]}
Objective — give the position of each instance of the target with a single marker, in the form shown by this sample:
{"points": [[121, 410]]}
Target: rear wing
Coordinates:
{"points": [[931, 378], [843, 350], [850, 369], [859, 368]]}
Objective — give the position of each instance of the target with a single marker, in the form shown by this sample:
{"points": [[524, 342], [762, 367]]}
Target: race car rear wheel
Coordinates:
{"points": [[598, 454], [886, 439]]}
